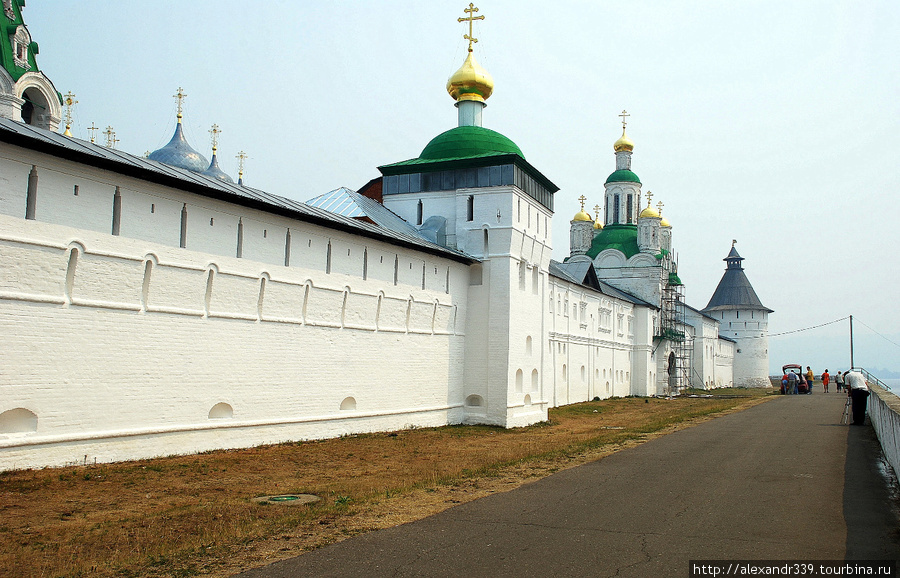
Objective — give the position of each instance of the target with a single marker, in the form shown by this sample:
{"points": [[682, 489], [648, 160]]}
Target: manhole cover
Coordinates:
{"points": [[288, 499]]}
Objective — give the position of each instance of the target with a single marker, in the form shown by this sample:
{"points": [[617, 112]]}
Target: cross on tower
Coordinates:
{"points": [[596, 212], [110, 134], [215, 132], [93, 130], [624, 115], [582, 198], [471, 10], [659, 206], [649, 198], [179, 96]]}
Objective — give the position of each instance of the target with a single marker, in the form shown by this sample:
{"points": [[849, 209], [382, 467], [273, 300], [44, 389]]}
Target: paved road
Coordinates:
{"points": [[782, 480]]}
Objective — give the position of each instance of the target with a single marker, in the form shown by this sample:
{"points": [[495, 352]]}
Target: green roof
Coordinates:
{"points": [[6, 47], [622, 237], [466, 142], [673, 279], [623, 176]]}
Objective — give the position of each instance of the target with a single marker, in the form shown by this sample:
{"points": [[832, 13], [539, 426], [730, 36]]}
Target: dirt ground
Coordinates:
{"points": [[195, 515]]}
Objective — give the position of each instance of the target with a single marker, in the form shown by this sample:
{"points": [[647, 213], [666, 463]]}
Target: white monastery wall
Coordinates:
{"points": [[724, 362], [592, 341], [137, 349]]}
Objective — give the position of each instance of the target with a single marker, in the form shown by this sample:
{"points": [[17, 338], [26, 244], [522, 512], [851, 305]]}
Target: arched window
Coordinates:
{"points": [[519, 381], [349, 404]]}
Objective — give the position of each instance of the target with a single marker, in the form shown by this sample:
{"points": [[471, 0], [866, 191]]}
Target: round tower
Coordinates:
{"points": [[745, 319]]}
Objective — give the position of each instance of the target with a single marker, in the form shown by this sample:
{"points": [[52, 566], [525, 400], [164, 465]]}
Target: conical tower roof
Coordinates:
{"points": [[734, 290]]}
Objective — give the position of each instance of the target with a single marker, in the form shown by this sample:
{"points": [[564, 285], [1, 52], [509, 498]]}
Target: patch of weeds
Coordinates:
{"points": [[342, 500]]}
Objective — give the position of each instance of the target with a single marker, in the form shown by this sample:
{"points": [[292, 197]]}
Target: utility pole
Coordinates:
{"points": [[851, 343]]}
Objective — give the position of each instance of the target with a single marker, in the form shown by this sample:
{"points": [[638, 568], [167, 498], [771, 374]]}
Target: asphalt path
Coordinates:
{"points": [[781, 480]]}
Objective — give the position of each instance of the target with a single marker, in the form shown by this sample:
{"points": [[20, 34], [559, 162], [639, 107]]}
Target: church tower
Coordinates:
{"points": [[745, 319], [26, 94], [473, 187]]}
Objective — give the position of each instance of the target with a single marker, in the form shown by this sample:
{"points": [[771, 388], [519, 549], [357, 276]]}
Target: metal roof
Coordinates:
{"points": [[734, 290], [582, 273], [95, 155]]}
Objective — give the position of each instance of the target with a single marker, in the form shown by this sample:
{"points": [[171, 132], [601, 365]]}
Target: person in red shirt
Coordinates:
{"points": [[826, 379]]}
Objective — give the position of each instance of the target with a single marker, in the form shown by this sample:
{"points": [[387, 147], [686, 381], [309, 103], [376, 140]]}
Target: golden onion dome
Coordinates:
{"points": [[665, 223], [598, 225], [649, 212], [582, 216], [470, 82], [624, 143]]}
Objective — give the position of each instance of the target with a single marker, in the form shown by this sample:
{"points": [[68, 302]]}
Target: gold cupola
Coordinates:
{"points": [[624, 143], [470, 82], [649, 211], [582, 216]]}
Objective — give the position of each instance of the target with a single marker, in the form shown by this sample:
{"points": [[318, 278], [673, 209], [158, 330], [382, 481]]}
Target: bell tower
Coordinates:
{"points": [[26, 94]]}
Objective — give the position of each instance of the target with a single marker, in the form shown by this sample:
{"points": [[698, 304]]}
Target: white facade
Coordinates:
{"points": [[749, 328]]}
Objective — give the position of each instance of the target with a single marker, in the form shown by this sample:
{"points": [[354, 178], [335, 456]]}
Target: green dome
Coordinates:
{"points": [[623, 176], [622, 237], [468, 141]]}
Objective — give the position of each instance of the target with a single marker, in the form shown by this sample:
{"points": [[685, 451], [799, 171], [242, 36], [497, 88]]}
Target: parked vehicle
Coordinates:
{"points": [[802, 387]]}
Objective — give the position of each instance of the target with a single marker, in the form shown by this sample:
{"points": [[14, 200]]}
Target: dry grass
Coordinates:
{"points": [[183, 516]]}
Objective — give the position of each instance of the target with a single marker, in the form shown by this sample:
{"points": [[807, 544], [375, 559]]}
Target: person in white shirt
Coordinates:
{"points": [[858, 390]]}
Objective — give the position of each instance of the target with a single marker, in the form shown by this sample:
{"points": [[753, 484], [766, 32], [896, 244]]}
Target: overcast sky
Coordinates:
{"points": [[774, 123]]}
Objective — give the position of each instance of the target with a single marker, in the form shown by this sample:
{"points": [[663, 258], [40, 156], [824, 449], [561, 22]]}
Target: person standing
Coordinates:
{"points": [[839, 380], [792, 384], [858, 390], [826, 379], [810, 377]]}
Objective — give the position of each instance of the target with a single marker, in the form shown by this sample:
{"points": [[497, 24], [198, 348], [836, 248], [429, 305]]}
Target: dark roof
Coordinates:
{"points": [[734, 290], [110, 159], [698, 312], [582, 273]]}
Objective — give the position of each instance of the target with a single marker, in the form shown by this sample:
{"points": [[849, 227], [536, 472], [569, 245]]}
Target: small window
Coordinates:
{"points": [[152, 208], [76, 190], [470, 208], [419, 211], [211, 221]]}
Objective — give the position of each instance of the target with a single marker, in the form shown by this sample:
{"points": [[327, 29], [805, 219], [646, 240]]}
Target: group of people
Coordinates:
{"points": [[852, 382]]}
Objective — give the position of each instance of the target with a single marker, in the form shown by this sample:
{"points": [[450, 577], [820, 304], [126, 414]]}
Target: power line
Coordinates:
{"points": [[808, 328], [878, 334]]}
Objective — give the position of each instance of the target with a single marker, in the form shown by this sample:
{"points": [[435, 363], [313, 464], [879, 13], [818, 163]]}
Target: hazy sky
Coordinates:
{"points": [[774, 123]]}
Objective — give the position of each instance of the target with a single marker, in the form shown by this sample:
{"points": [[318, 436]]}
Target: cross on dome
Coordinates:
{"points": [[471, 10], [649, 198], [214, 134], [624, 115], [582, 198], [93, 130], [179, 96]]}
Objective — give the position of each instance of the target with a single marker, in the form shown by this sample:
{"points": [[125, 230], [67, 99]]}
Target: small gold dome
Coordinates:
{"points": [[665, 223], [582, 216], [470, 82], [598, 225], [624, 143], [649, 212]]}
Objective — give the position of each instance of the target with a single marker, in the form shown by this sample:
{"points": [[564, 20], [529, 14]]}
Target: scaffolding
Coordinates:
{"points": [[673, 329]]}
